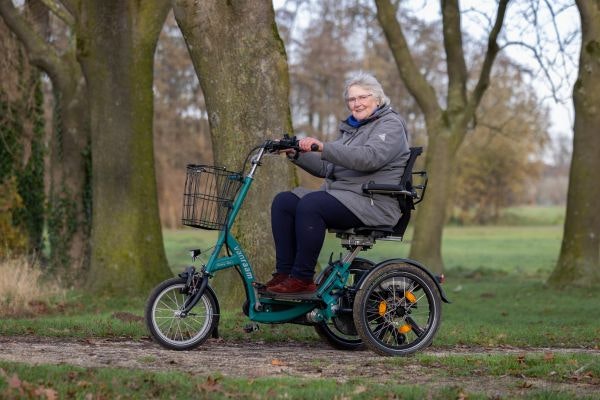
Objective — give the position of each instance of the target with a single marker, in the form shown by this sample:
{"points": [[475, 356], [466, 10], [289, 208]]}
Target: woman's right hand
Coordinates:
{"points": [[306, 144]]}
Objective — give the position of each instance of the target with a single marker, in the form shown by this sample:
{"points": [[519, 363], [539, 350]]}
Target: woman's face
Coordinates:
{"points": [[361, 102]]}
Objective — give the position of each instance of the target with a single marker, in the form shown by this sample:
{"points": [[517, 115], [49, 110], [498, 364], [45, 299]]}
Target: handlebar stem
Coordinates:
{"points": [[256, 162]]}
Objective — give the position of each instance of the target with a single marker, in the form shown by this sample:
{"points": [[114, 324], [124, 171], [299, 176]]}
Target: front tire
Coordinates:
{"points": [[166, 324], [398, 310]]}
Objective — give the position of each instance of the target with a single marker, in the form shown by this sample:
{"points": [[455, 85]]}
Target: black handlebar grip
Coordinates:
{"points": [[314, 147]]}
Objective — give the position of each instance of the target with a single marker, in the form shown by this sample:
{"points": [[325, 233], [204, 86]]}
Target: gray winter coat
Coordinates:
{"points": [[376, 151]]}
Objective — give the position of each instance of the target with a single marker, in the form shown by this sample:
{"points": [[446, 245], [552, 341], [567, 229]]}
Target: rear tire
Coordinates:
{"points": [[398, 310], [168, 327]]}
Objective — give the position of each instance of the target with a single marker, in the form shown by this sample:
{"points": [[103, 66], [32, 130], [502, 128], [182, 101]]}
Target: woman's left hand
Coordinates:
{"points": [[306, 143]]}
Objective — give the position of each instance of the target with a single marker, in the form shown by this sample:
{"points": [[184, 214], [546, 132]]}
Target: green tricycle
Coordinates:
{"points": [[393, 307]]}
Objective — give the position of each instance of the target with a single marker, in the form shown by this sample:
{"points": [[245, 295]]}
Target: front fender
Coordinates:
{"points": [[215, 333], [410, 262]]}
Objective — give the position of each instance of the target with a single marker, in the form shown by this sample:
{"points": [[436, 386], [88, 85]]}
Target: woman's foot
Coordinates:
{"points": [[295, 286], [276, 279]]}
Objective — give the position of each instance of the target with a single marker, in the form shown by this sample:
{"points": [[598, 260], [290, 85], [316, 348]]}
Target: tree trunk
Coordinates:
{"points": [[117, 40], [426, 243], [241, 63], [69, 199], [579, 260]]}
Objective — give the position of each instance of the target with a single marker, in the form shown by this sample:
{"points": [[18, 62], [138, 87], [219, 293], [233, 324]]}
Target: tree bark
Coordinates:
{"points": [[579, 260], [241, 63], [447, 128], [117, 40]]}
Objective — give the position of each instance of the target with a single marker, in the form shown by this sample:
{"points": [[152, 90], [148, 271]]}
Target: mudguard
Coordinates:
{"points": [[410, 262], [204, 286]]}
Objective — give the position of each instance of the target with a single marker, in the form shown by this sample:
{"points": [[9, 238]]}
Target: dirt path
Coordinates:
{"points": [[255, 359]]}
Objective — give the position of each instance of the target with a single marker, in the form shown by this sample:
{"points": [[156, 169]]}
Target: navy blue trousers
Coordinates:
{"points": [[299, 227]]}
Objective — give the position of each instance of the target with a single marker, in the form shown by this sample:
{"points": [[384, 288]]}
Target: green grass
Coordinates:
{"points": [[487, 309], [123, 383], [533, 215], [63, 381], [525, 249]]}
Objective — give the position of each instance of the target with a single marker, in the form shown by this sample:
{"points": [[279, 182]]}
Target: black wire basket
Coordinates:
{"points": [[208, 196]]}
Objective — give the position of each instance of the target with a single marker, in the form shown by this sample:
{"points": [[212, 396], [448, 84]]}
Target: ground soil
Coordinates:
{"points": [[254, 359]]}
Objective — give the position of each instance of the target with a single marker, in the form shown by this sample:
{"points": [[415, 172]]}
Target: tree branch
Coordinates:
{"points": [[414, 81], [490, 55], [40, 53], [60, 11], [70, 6], [455, 59]]}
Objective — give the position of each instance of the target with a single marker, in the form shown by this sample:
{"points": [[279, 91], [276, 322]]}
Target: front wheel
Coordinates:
{"points": [[398, 310], [169, 327]]}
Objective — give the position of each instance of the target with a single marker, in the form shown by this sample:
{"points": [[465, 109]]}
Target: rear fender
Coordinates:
{"points": [[410, 262]]}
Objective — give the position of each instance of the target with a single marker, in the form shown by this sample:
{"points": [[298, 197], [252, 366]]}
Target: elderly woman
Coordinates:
{"points": [[372, 146]]}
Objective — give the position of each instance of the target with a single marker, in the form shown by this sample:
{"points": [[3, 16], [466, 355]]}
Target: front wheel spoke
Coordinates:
{"points": [[197, 321], [169, 331], [164, 323], [172, 297], [167, 307], [189, 328]]}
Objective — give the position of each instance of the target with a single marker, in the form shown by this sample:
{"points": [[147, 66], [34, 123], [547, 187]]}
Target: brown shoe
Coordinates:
{"points": [[276, 279], [294, 285]]}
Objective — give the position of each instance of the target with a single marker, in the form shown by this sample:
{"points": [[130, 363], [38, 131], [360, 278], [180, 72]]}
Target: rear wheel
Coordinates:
{"points": [[169, 326], [340, 331], [398, 310]]}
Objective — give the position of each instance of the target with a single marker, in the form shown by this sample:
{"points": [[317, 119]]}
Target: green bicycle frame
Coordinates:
{"points": [[261, 309]]}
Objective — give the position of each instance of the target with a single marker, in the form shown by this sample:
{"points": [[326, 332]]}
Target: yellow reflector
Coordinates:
{"points": [[404, 328], [382, 308], [410, 297]]}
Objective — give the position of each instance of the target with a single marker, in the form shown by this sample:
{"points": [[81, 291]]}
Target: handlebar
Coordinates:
{"points": [[285, 143]]}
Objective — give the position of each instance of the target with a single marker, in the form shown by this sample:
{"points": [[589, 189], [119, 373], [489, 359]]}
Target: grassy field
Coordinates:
{"points": [[523, 249], [495, 280]]}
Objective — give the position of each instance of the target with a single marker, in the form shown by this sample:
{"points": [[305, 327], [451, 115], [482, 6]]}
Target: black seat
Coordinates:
{"points": [[408, 194]]}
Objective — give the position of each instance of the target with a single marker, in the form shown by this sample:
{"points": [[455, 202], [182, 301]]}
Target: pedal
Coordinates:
{"points": [[252, 327], [260, 287]]}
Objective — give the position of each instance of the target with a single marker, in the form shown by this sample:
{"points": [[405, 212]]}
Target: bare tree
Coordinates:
{"points": [[446, 127]]}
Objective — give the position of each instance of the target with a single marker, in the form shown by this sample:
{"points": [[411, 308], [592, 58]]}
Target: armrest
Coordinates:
{"points": [[386, 189]]}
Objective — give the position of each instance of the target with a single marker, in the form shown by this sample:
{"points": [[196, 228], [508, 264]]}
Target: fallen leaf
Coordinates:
{"points": [[14, 382], [548, 356], [359, 389], [526, 385], [49, 394], [210, 385], [276, 361]]}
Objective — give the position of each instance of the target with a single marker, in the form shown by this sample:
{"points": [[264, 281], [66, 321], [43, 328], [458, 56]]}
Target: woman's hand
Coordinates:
{"points": [[305, 144]]}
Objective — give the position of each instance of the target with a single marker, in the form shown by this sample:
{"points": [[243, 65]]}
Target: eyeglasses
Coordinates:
{"points": [[360, 99]]}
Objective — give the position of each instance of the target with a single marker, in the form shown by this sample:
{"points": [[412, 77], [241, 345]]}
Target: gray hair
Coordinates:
{"points": [[367, 82]]}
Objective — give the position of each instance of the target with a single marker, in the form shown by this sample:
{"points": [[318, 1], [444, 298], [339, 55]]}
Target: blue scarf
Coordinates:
{"points": [[353, 122]]}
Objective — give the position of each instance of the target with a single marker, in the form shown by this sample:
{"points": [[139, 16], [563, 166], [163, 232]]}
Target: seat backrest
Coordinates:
{"points": [[407, 203]]}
